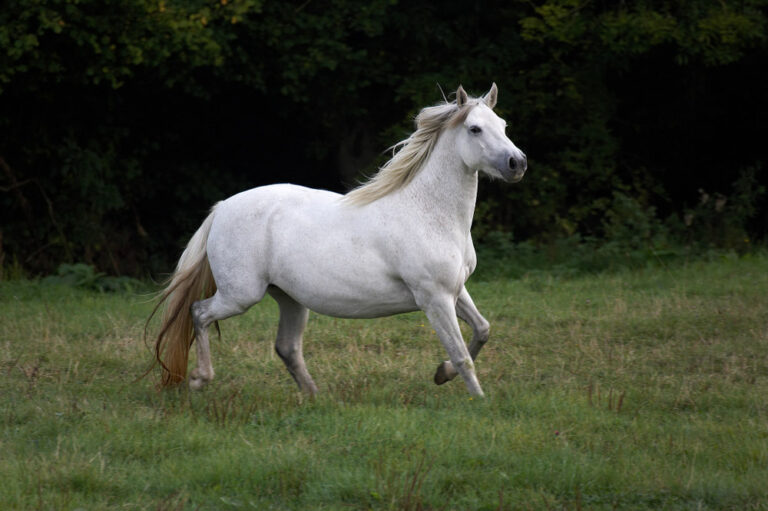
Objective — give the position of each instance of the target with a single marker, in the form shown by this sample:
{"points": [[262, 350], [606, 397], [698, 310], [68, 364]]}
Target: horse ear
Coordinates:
{"points": [[461, 97], [492, 96]]}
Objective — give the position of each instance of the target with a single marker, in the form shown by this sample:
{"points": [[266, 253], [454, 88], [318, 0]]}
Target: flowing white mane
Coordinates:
{"points": [[411, 154]]}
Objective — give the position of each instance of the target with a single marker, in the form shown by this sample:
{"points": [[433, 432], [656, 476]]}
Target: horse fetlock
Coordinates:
{"points": [[199, 379], [465, 364], [309, 388]]}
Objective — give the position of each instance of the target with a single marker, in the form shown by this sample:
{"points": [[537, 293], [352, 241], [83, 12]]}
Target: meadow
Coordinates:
{"points": [[634, 389]]}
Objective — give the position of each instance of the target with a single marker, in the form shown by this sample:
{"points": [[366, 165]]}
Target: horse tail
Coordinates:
{"points": [[192, 281]]}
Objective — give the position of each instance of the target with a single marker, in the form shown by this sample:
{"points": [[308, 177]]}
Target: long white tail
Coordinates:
{"points": [[192, 281]]}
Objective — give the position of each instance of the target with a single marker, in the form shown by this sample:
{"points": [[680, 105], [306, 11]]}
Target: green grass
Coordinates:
{"points": [[640, 389]]}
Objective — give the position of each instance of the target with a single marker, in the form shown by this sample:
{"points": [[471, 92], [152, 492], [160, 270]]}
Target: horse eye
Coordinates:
{"points": [[475, 130]]}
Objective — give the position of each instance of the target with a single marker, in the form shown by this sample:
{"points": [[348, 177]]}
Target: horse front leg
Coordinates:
{"points": [[467, 312], [441, 313]]}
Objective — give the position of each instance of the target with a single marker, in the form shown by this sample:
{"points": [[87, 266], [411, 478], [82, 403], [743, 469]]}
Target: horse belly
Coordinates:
{"points": [[346, 294], [350, 306], [331, 274]]}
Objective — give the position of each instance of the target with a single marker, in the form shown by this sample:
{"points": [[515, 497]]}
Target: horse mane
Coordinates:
{"points": [[409, 155]]}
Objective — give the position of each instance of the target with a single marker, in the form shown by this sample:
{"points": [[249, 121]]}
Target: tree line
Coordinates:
{"points": [[122, 122]]}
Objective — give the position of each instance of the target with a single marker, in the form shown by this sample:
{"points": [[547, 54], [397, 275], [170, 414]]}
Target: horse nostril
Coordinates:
{"points": [[518, 164]]}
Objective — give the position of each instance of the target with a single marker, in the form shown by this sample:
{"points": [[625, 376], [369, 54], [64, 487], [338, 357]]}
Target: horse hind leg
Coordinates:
{"points": [[467, 312], [288, 345], [204, 313]]}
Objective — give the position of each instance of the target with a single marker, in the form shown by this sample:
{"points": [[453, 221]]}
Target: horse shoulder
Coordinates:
{"points": [[438, 267]]}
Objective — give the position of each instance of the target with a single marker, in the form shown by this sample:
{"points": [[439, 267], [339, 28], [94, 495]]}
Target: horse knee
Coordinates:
{"points": [[483, 331]]}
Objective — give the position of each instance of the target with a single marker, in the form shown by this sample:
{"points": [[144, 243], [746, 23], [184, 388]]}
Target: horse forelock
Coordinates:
{"points": [[410, 154]]}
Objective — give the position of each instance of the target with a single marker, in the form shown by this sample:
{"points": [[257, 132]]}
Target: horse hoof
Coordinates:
{"points": [[441, 375]]}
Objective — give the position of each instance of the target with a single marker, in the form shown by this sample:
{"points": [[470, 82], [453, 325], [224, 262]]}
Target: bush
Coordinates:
{"points": [[84, 276]]}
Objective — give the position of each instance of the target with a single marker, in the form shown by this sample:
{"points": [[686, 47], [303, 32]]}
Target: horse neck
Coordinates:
{"points": [[444, 189]]}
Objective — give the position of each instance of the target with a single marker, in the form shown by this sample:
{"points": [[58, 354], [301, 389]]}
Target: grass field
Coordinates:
{"points": [[643, 389]]}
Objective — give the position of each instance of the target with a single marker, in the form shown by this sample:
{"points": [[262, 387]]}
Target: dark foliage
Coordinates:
{"points": [[122, 122]]}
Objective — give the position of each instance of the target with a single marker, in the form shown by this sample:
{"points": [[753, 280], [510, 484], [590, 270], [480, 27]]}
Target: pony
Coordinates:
{"points": [[398, 243]]}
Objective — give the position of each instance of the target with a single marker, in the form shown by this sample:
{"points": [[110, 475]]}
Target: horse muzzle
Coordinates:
{"points": [[516, 167]]}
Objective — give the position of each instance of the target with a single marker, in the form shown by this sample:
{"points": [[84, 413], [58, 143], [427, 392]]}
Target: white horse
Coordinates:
{"points": [[399, 243]]}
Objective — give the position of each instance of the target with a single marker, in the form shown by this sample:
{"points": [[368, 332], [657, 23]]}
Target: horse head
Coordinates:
{"points": [[481, 140]]}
